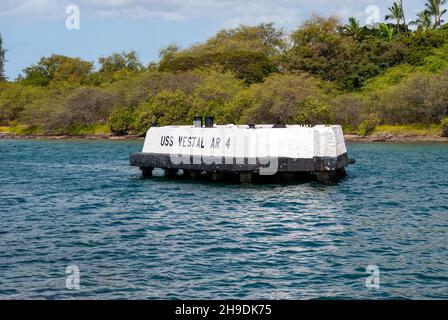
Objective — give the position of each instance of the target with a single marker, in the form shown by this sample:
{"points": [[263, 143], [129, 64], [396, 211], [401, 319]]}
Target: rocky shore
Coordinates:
{"points": [[7, 135], [394, 138]]}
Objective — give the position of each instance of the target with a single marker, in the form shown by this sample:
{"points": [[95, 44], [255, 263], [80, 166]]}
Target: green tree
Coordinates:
{"points": [[166, 108], [252, 67], [315, 47], [288, 99], [58, 68], [118, 66], [434, 9], [396, 14], [119, 61], [319, 48], [368, 126], [143, 119], [313, 111], [121, 121], [420, 98], [423, 44], [14, 98], [214, 94], [234, 111], [264, 38], [354, 29], [169, 51], [2, 60], [251, 52], [444, 126], [387, 31], [347, 110], [404, 18], [423, 21]]}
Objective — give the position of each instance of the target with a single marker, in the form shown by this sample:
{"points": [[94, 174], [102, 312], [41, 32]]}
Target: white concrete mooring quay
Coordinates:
{"points": [[245, 154]]}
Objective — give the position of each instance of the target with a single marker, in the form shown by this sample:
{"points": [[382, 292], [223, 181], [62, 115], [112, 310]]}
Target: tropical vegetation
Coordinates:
{"points": [[323, 72]]}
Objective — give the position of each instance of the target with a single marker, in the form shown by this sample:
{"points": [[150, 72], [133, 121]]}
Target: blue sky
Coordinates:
{"points": [[35, 28]]}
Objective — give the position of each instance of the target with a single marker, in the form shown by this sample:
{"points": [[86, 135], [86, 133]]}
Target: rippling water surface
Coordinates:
{"points": [[79, 203]]}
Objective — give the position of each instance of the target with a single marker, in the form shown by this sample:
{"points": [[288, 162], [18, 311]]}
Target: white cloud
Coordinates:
{"points": [[287, 13], [138, 12], [32, 9]]}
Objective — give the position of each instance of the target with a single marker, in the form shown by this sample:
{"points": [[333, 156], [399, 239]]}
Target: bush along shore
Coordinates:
{"points": [[388, 83]]}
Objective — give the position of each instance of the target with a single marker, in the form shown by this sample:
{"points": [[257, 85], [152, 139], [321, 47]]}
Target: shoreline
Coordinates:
{"points": [[390, 138], [376, 138], [13, 136]]}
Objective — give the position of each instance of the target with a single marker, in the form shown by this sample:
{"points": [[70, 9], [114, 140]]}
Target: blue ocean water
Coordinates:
{"points": [[79, 203]]}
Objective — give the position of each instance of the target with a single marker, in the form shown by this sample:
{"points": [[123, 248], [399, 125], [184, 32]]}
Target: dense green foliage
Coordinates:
{"points": [[252, 67], [71, 71], [323, 72], [445, 127], [348, 59]]}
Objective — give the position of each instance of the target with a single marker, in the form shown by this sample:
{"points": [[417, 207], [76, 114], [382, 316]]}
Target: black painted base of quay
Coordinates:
{"points": [[326, 170]]}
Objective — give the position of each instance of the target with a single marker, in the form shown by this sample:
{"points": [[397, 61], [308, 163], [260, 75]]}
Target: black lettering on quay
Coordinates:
{"points": [[215, 143], [166, 141], [192, 142]]}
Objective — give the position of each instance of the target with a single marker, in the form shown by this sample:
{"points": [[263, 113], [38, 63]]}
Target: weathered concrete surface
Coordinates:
{"points": [[164, 161]]}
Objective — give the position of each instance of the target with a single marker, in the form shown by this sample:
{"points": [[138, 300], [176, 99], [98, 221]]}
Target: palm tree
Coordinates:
{"points": [[423, 21], [434, 9], [353, 28], [404, 17], [387, 31], [2, 60], [396, 13]]}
